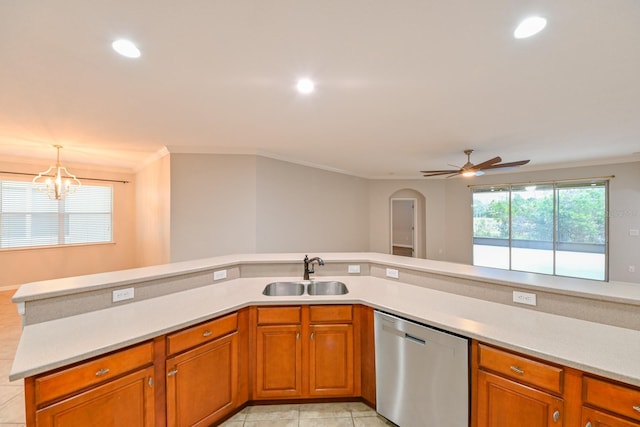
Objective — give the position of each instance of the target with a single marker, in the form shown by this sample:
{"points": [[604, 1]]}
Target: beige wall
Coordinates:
{"points": [[213, 205], [624, 212], [20, 266], [224, 204], [153, 222], [303, 209]]}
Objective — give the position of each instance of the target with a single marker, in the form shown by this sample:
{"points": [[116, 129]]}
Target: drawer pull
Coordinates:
{"points": [[556, 416], [102, 372], [636, 408], [516, 370], [207, 333], [588, 424], [172, 372]]}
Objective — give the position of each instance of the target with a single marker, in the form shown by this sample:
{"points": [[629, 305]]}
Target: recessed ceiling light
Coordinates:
{"points": [[305, 86], [126, 48], [530, 26]]}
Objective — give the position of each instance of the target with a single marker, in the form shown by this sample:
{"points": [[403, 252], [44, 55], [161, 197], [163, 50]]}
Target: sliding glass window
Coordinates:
{"points": [[549, 228]]}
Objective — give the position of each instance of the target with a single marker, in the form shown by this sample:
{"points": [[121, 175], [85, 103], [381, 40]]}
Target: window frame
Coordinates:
{"points": [[603, 182]]}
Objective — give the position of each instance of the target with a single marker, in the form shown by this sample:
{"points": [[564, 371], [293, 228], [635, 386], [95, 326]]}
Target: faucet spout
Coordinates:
{"points": [[308, 265]]}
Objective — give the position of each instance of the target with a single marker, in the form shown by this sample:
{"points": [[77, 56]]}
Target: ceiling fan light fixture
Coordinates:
{"points": [[529, 27], [472, 173]]}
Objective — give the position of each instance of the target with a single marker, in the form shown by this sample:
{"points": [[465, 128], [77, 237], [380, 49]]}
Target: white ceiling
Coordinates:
{"points": [[402, 85]]}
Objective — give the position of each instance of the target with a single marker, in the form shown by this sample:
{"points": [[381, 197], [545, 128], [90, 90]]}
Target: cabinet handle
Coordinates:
{"points": [[313, 335], [207, 333], [636, 408], [102, 372], [150, 382], [172, 372], [588, 424], [516, 370], [297, 335], [556, 416]]}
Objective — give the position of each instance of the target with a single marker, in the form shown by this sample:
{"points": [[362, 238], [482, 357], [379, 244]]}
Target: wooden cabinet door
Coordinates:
{"points": [[278, 361], [202, 383], [331, 360], [505, 403], [594, 418], [126, 401]]}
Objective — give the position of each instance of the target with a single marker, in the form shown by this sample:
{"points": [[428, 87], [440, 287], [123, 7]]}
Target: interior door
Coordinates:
{"points": [[403, 227]]}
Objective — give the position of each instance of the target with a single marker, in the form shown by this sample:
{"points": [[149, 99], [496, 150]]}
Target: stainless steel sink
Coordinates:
{"points": [[327, 288], [281, 289]]}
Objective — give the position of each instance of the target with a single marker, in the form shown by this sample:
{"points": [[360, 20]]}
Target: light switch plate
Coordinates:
{"points": [[219, 275], [393, 273]]}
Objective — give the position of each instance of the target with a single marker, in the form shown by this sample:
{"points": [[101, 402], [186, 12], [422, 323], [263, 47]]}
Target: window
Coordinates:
{"points": [[29, 218], [557, 228]]}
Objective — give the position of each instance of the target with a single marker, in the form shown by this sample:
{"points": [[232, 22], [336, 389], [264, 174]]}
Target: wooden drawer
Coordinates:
{"points": [[67, 381], [595, 418], [330, 314], [202, 333], [279, 315], [521, 369], [613, 397]]}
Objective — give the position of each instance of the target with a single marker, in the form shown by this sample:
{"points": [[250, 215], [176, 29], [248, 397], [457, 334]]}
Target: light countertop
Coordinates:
{"points": [[609, 351]]}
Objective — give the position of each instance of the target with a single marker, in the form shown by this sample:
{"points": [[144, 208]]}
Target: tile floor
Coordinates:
{"points": [[308, 415], [11, 393], [305, 415]]}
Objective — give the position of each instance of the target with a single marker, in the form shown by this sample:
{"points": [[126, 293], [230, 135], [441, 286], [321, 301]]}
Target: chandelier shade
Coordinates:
{"points": [[56, 182]]}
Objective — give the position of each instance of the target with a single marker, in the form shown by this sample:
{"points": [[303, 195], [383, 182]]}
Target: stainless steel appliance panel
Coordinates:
{"points": [[422, 374]]}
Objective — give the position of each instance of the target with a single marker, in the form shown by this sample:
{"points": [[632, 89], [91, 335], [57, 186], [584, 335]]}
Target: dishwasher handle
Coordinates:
{"points": [[415, 339], [389, 327]]}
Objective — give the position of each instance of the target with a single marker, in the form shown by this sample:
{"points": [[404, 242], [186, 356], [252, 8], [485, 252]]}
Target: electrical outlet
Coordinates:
{"points": [[634, 232], [632, 269], [122, 294], [219, 275], [354, 269], [524, 298], [393, 273]]}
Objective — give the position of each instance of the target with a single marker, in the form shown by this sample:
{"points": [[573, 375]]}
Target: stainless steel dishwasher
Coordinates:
{"points": [[422, 374]]}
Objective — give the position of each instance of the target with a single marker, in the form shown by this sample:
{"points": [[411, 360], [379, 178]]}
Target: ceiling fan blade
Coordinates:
{"points": [[508, 165], [440, 170], [486, 164], [432, 173]]}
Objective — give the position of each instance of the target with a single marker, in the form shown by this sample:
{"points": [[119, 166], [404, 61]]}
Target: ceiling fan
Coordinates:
{"points": [[469, 169]]}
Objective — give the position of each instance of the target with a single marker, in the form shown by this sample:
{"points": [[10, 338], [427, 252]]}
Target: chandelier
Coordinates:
{"points": [[56, 182]]}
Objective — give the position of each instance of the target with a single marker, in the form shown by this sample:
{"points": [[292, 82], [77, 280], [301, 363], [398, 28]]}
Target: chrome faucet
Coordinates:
{"points": [[308, 265]]}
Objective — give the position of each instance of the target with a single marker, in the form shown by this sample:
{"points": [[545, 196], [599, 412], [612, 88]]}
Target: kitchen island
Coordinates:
{"points": [[594, 329]]}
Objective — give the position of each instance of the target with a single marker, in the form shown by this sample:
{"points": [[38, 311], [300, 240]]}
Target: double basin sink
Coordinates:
{"points": [[280, 289]]}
